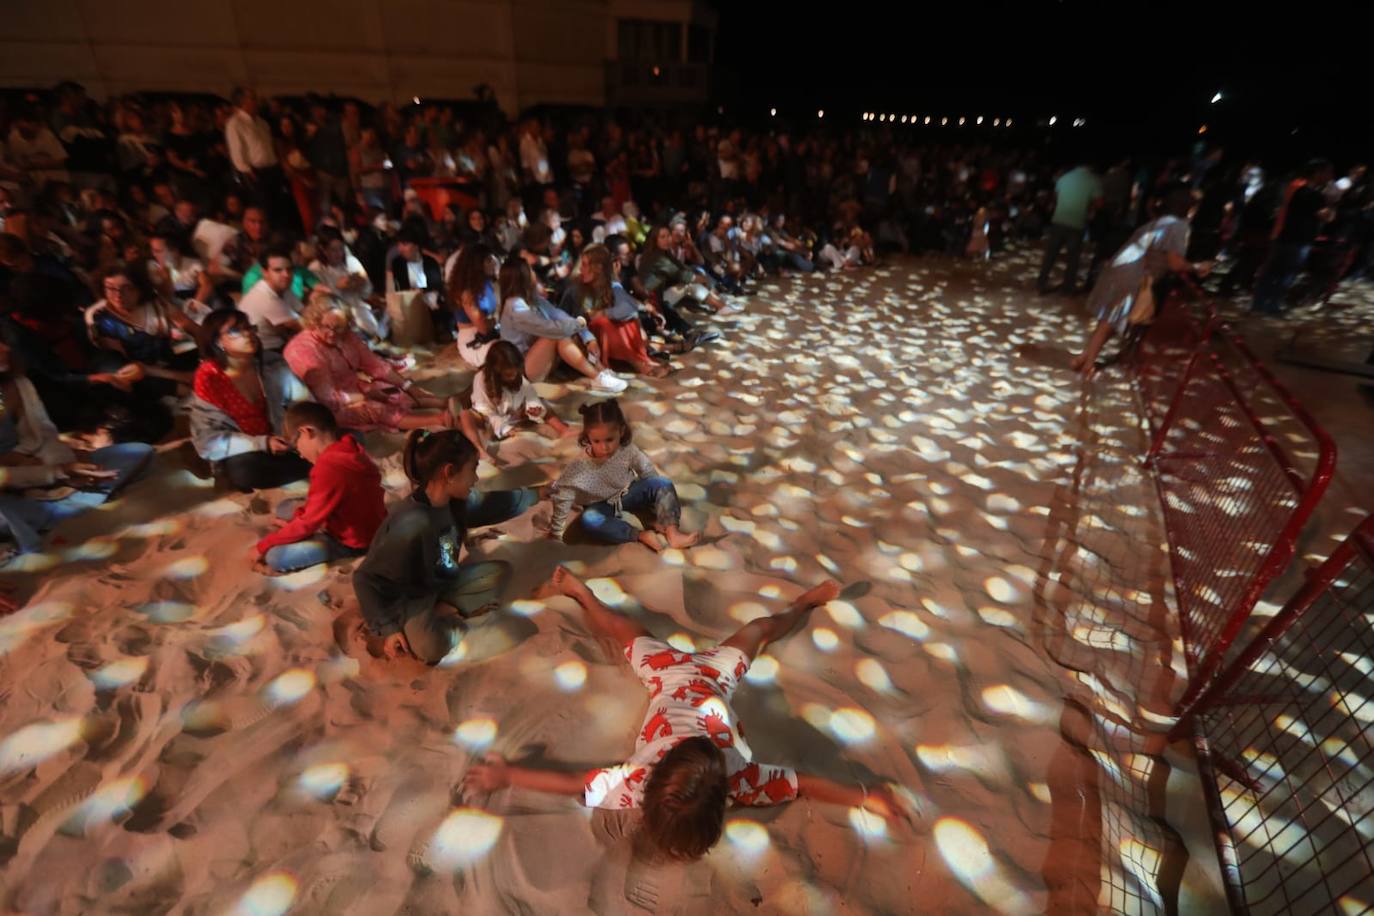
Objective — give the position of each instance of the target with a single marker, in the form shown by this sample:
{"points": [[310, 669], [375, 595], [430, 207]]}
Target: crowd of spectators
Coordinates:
{"points": [[133, 231]]}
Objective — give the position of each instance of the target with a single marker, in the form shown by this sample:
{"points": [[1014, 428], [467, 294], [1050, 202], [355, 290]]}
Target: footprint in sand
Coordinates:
{"points": [[134, 640]]}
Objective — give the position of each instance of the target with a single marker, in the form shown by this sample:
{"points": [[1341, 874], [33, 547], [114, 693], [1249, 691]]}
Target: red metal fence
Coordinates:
{"points": [[1284, 739], [1239, 465]]}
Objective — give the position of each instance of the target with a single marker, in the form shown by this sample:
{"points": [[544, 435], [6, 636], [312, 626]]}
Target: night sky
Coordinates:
{"points": [[1152, 78]]}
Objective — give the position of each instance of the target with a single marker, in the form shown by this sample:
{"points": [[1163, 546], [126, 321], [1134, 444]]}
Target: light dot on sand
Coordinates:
{"points": [[270, 895], [747, 837], [712, 558], [745, 611], [476, 734], [608, 591], [1006, 700], [1041, 791], [120, 673], [997, 617], [906, 623], [324, 780], [465, 836], [911, 562], [784, 564], [845, 614], [873, 676], [570, 676], [764, 670], [816, 715], [186, 568], [682, 642], [770, 591], [968, 857], [526, 607], [870, 826], [852, 726], [828, 563], [942, 651], [825, 639], [999, 589], [290, 687], [37, 742], [111, 801]]}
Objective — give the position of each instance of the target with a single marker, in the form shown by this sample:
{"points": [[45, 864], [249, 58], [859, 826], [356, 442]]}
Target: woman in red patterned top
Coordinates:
{"points": [[238, 407]]}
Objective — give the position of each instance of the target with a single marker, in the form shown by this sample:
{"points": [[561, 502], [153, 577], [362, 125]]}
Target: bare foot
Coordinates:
{"points": [[650, 540], [679, 539], [562, 582], [821, 594]]}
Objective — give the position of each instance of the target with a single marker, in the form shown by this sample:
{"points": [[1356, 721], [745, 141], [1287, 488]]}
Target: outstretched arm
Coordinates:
{"points": [[495, 773], [879, 799], [755, 635]]}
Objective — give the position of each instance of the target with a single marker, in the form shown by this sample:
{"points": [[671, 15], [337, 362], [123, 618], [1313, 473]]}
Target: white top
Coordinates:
{"points": [[267, 310], [250, 141], [534, 158], [512, 407]]}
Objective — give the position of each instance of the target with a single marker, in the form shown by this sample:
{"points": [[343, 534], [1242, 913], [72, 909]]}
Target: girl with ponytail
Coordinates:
{"points": [[414, 592]]}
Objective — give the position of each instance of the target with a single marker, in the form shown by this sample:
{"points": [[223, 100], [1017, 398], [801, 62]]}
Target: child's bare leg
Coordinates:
{"points": [[1084, 361], [755, 635], [601, 620]]}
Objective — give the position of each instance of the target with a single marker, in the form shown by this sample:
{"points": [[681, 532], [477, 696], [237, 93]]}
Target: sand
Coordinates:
{"points": [[180, 735]]}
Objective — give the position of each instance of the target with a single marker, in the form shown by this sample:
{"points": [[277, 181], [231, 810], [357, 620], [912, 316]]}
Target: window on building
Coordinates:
{"points": [[649, 40]]}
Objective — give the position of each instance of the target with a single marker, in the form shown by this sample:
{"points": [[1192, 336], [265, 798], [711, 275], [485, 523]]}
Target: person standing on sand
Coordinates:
{"points": [[1156, 248], [1077, 194], [691, 760]]}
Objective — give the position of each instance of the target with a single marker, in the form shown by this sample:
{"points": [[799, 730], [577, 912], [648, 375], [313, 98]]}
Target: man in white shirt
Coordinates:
{"points": [[534, 156], [254, 155], [270, 305]]}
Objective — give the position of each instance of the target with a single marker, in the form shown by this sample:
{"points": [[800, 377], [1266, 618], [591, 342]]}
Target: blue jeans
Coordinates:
{"points": [[26, 518], [1285, 263], [603, 522], [490, 508], [319, 548]]}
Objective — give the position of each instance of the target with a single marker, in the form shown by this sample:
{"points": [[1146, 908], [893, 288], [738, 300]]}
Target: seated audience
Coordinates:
{"points": [[612, 314], [546, 334]]}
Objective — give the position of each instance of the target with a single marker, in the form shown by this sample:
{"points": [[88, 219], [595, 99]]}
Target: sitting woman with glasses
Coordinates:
{"points": [[238, 407], [147, 342], [362, 389]]}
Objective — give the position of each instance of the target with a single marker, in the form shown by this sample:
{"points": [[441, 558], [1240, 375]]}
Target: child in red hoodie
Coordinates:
{"points": [[345, 505]]}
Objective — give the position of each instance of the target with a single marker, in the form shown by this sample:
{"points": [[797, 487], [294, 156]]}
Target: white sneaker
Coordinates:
{"points": [[608, 381], [731, 308]]}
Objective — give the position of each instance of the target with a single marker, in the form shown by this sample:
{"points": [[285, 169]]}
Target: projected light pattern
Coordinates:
{"points": [[324, 780], [967, 855], [905, 430], [270, 895], [28, 746], [465, 837]]}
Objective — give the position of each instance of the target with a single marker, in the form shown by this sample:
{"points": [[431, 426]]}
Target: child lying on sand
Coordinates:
{"points": [[690, 759]]}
